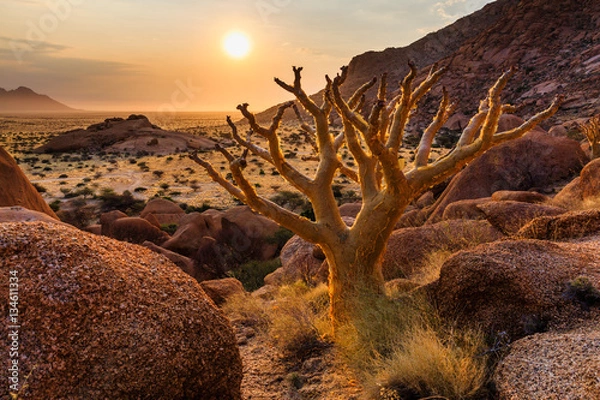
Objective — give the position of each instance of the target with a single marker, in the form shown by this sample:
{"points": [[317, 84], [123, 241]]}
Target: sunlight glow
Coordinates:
{"points": [[236, 45]]}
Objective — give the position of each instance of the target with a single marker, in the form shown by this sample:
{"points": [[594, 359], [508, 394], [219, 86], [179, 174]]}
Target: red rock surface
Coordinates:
{"points": [[571, 225], [105, 319], [408, 248], [126, 135], [517, 287], [15, 188], [510, 216], [533, 161]]}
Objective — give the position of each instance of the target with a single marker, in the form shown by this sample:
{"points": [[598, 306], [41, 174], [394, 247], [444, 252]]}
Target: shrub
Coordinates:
{"points": [[39, 188], [169, 228], [55, 205], [252, 274], [247, 310], [583, 290], [109, 200], [280, 237]]}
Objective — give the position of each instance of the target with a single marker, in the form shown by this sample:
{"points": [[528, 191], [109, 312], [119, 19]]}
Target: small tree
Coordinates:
{"points": [[591, 129], [353, 253]]}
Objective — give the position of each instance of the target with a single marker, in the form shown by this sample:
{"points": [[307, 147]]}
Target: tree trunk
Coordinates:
{"points": [[353, 277], [355, 269]]}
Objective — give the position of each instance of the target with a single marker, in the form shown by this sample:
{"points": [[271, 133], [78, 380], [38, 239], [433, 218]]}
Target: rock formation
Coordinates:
{"points": [[105, 319]]}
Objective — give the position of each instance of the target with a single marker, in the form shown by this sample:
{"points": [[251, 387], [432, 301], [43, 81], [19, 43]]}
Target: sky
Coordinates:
{"points": [[166, 56]]}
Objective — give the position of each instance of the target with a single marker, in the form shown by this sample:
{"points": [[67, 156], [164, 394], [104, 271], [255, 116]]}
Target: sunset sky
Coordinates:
{"points": [[156, 55]]}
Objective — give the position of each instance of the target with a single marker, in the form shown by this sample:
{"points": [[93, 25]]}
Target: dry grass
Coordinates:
{"points": [[433, 265], [396, 348], [401, 349], [427, 364], [296, 321]]}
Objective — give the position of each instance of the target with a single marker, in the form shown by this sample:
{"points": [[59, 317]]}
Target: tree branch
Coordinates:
{"points": [[424, 149]]}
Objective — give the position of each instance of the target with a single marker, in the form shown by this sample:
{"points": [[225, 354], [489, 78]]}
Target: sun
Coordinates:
{"points": [[237, 45]]}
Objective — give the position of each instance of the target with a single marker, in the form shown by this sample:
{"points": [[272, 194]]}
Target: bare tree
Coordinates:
{"points": [[591, 129], [354, 253]]}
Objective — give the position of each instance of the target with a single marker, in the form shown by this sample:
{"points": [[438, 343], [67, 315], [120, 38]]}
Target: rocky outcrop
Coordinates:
{"points": [[408, 249], [571, 225], [583, 191], [551, 365], [534, 161], [517, 286], [520, 196], [554, 44], [220, 290], [16, 190], [106, 319], [163, 211], [297, 263], [510, 216], [20, 214], [132, 135], [136, 230]]}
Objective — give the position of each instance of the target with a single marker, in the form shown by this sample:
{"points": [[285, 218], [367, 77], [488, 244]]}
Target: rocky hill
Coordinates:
{"points": [[24, 99], [132, 135], [555, 44]]}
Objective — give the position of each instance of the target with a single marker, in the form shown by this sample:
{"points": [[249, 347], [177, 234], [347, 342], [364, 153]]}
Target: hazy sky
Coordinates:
{"points": [[157, 55]]}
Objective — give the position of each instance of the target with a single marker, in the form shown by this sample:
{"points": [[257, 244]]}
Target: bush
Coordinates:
{"points": [[583, 290], [109, 201], [280, 237], [55, 205], [169, 228], [39, 188], [252, 274]]}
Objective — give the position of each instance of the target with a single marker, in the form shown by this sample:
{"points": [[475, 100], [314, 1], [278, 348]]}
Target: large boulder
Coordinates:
{"points": [[590, 180], [510, 216], [136, 230], [192, 228], [551, 365], [297, 263], [570, 225], [219, 290], [21, 214], [583, 190], [101, 319], [533, 161], [164, 211], [408, 249], [465, 209], [249, 233], [186, 264], [515, 286], [521, 196], [107, 219], [16, 190]]}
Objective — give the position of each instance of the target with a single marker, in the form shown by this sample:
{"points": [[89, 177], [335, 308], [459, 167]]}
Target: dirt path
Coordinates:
{"points": [[268, 377]]}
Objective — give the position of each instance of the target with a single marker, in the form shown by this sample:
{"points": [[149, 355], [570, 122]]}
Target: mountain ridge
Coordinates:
{"points": [[24, 99], [554, 44]]}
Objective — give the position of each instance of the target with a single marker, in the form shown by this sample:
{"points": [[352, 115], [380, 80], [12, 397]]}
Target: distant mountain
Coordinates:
{"points": [[24, 99], [554, 43]]}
